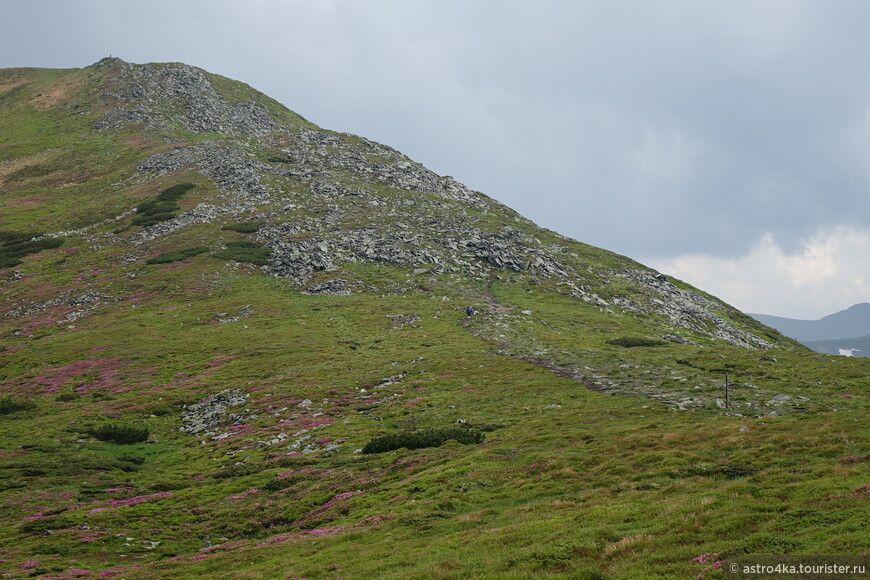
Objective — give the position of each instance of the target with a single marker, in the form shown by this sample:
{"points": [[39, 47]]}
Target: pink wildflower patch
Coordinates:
{"points": [[53, 379], [713, 563], [861, 492], [218, 361], [318, 423], [141, 498]]}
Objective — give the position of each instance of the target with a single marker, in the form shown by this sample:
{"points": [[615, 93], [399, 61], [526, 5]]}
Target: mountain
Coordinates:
{"points": [[852, 322], [235, 344], [859, 346]]}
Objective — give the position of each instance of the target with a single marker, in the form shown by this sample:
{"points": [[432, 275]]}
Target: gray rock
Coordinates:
{"points": [[691, 310], [336, 286], [155, 95], [213, 411], [779, 400]]}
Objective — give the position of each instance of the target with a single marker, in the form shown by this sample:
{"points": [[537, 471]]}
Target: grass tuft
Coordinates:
{"points": [[9, 405]]}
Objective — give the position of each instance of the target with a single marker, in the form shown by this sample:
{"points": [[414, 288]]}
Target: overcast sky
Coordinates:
{"points": [[726, 143]]}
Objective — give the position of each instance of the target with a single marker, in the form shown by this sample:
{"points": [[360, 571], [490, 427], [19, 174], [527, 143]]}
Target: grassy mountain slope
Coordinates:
{"points": [[259, 298]]}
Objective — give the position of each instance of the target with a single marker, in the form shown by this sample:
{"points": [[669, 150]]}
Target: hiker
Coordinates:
{"points": [[469, 311]]}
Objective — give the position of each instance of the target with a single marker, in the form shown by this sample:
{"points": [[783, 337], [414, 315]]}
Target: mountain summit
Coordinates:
{"points": [[328, 206], [224, 328]]}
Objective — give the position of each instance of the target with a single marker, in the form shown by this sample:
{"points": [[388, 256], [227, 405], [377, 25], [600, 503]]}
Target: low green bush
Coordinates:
{"points": [[163, 208], [16, 245], [250, 252], [177, 255], [43, 525], [121, 434], [67, 397], [151, 219], [175, 192], [9, 404], [423, 438]]}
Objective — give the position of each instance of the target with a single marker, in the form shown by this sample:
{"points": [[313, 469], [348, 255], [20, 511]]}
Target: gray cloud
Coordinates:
{"points": [[652, 129]]}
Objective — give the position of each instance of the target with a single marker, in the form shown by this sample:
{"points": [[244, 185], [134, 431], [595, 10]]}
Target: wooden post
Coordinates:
{"points": [[727, 400]]}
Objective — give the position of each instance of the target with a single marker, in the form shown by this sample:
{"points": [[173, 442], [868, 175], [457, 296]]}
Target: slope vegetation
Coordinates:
{"points": [[233, 344]]}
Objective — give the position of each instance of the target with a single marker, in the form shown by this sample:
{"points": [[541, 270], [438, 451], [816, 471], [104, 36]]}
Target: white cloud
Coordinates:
{"points": [[826, 275]]}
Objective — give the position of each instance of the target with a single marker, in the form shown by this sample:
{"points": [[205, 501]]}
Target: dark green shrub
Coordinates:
{"points": [[121, 434], [244, 227], [633, 341], [42, 525], [151, 219], [175, 192], [177, 255], [10, 405], [10, 237], [67, 397], [423, 438], [249, 252], [278, 484], [16, 245], [162, 208], [159, 410]]}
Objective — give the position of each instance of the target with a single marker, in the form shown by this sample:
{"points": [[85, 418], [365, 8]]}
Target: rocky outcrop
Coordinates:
{"points": [[232, 171], [372, 162], [336, 286], [214, 411], [83, 305], [329, 200], [691, 310], [163, 97]]}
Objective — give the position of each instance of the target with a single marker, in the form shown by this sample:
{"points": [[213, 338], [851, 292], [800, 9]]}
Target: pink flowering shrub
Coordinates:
{"points": [[713, 563]]}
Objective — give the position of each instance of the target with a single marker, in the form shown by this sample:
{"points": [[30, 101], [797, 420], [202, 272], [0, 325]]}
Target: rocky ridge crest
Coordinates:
{"points": [[329, 199]]}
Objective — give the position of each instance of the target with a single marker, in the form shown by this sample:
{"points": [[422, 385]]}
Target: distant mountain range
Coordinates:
{"points": [[843, 331]]}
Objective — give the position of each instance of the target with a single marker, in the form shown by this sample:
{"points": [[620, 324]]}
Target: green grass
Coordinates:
{"points": [[242, 251], [612, 481]]}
